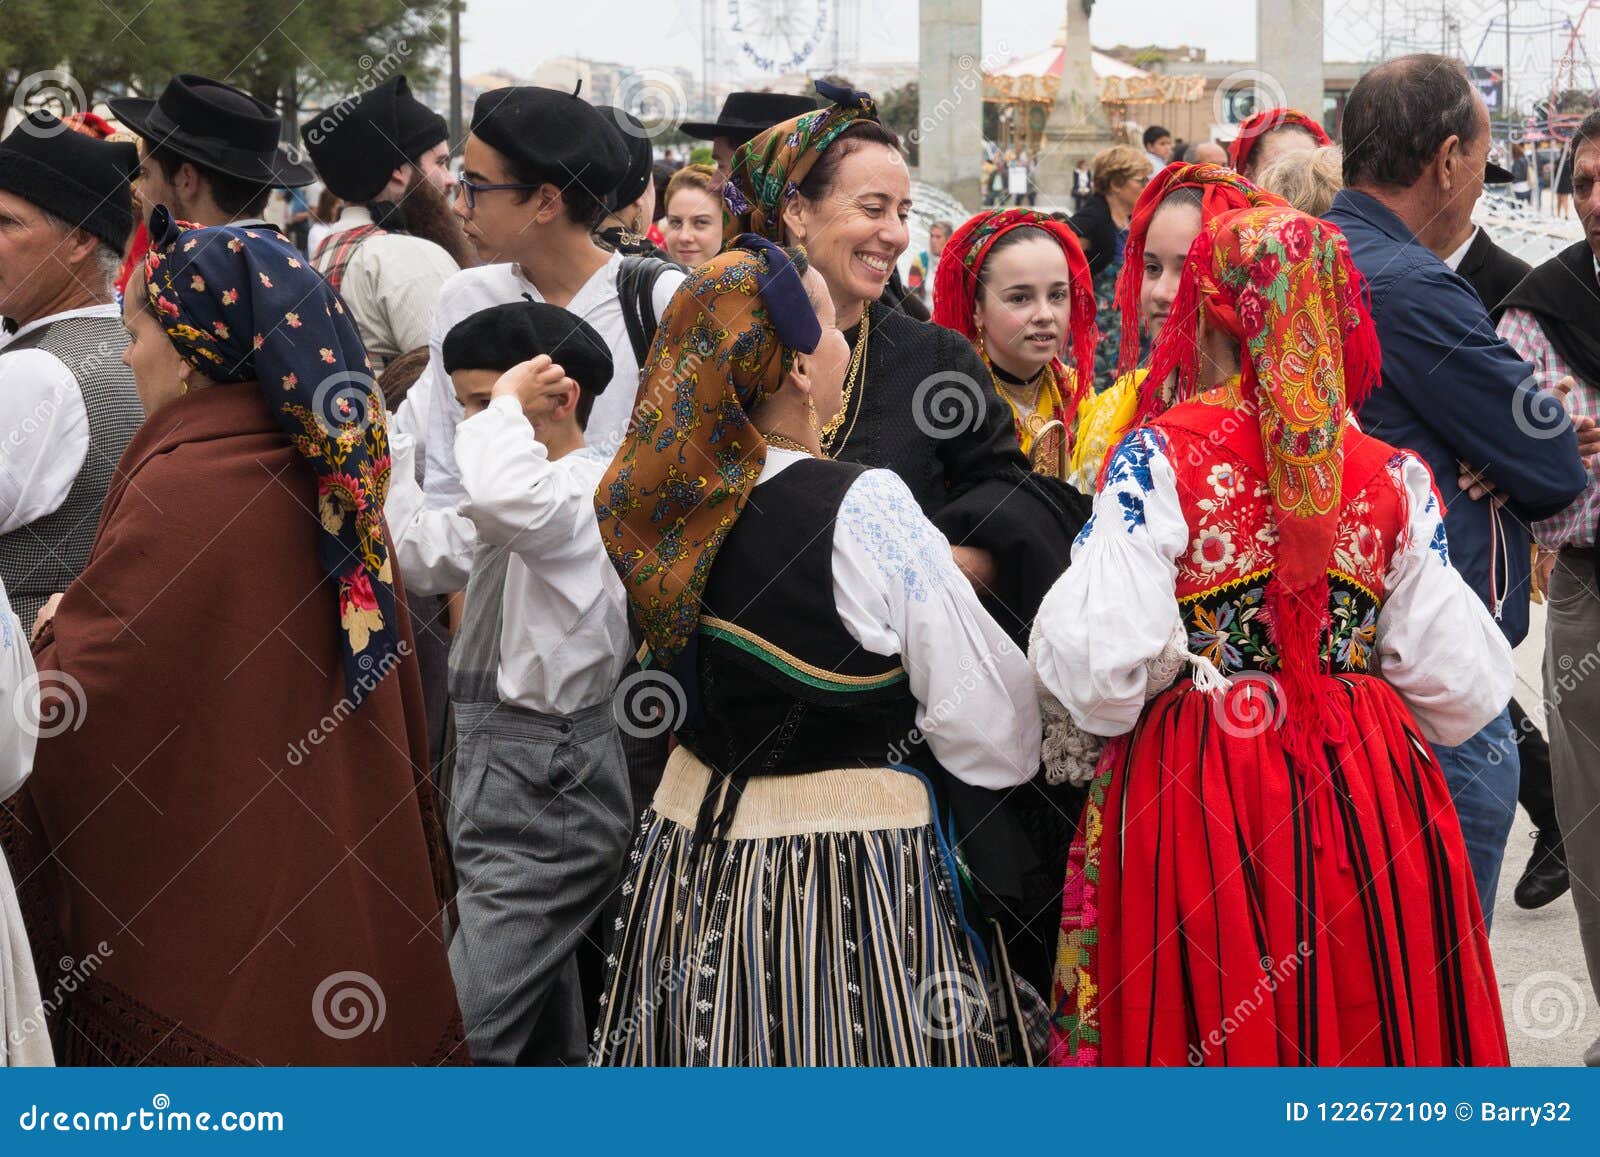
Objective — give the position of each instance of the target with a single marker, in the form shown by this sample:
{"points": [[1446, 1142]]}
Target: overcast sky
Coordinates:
{"points": [[516, 35]]}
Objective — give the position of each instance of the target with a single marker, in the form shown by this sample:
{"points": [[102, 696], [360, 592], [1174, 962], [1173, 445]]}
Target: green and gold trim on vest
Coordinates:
{"points": [[793, 666]]}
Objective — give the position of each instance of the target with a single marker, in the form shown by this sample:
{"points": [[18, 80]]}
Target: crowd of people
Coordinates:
{"points": [[602, 615]]}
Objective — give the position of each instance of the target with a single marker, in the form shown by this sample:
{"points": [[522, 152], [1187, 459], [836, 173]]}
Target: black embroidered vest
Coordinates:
{"points": [[784, 688]]}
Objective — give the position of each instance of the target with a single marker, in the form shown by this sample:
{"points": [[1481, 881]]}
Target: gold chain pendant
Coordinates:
{"points": [[857, 361]]}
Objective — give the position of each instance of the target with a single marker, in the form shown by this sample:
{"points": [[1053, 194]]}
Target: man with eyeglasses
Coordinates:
{"points": [[538, 166]]}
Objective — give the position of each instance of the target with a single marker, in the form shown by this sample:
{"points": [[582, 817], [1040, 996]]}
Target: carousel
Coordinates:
{"points": [[1026, 89]]}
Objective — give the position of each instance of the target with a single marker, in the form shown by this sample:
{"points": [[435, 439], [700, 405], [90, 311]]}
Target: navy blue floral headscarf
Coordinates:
{"points": [[240, 304]]}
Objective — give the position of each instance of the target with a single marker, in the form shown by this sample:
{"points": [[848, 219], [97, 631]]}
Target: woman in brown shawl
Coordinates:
{"points": [[235, 817]]}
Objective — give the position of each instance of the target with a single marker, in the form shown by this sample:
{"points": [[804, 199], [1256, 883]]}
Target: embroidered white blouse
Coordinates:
{"points": [[1116, 607]]}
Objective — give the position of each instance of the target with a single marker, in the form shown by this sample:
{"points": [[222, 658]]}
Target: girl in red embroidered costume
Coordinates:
{"points": [[1269, 869]]}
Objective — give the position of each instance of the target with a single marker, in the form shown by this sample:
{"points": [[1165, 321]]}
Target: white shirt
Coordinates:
{"points": [[898, 592], [18, 688], [479, 288], [564, 631], [1455, 259], [1116, 607], [432, 544], [391, 285], [44, 426]]}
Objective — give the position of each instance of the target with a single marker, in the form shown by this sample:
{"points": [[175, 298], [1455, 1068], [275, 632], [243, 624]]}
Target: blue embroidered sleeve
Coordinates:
{"points": [[1440, 546], [1128, 472], [904, 546]]}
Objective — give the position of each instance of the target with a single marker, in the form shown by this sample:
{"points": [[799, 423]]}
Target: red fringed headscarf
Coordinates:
{"points": [[955, 287], [1222, 191], [1283, 284], [1267, 121]]}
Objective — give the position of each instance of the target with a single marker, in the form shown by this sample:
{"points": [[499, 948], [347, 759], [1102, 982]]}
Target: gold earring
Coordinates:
{"points": [[811, 415]]}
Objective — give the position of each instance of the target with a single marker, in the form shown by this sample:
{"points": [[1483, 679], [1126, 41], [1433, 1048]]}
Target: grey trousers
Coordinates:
{"points": [[539, 821], [1572, 709]]}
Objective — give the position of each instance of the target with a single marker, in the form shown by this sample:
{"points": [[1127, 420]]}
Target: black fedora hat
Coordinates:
{"points": [[744, 114], [218, 126]]}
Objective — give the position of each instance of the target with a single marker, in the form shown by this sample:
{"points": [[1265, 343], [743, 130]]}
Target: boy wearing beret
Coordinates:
{"points": [[538, 169], [539, 809]]}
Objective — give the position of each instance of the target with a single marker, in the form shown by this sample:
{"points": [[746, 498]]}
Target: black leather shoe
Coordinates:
{"points": [[1545, 877]]}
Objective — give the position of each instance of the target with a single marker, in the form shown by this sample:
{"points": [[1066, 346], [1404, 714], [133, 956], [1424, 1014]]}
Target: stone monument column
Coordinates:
{"points": [[1289, 53], [950, 98], [1077, 126]]}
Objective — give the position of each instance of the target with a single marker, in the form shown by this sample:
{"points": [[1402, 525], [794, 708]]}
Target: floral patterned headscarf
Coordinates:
{"points": [[766, 170], [1221, 191], [241, 305], [1269, 120], [1283, 284], [728, 338]]}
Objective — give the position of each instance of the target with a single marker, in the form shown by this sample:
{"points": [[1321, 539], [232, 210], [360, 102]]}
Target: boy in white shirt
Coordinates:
{"points": [[539, 810]]}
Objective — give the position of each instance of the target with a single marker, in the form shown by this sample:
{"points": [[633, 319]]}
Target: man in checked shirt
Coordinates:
{"points": [[1553, 321]]}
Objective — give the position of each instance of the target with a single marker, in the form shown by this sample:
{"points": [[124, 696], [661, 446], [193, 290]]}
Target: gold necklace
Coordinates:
{"points": [[784, 442], [857, 360]]}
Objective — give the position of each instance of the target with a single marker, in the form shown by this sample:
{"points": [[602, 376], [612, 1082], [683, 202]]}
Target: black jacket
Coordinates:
{"points": [[1493, 272], [1099, 232]]}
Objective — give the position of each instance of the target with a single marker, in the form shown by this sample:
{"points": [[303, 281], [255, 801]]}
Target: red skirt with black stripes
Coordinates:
{"points": [[1223, 907]]}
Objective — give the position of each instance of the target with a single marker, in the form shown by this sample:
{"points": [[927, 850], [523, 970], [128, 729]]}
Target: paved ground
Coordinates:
{"points": [[1551, 1013]]}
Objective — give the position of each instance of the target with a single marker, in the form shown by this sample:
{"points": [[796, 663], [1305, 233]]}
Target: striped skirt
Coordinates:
{"points": [[822, 931]]}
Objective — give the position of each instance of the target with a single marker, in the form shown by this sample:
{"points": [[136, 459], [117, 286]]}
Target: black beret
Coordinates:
{"points": [[358, 143], [641, 157], [556, 136], [85, 182], [501, 336]]}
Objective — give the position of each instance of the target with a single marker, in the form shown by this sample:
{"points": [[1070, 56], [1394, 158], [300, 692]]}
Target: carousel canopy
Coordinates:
{"points": [[1037, 78]]}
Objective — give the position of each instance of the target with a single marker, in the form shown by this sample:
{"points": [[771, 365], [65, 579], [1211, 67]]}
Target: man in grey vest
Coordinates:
{"points": [[67, 403]]}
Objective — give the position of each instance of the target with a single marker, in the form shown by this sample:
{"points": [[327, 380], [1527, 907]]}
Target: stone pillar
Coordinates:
{"points": [[949, 129], [1077, 128], [1289, 54]]}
